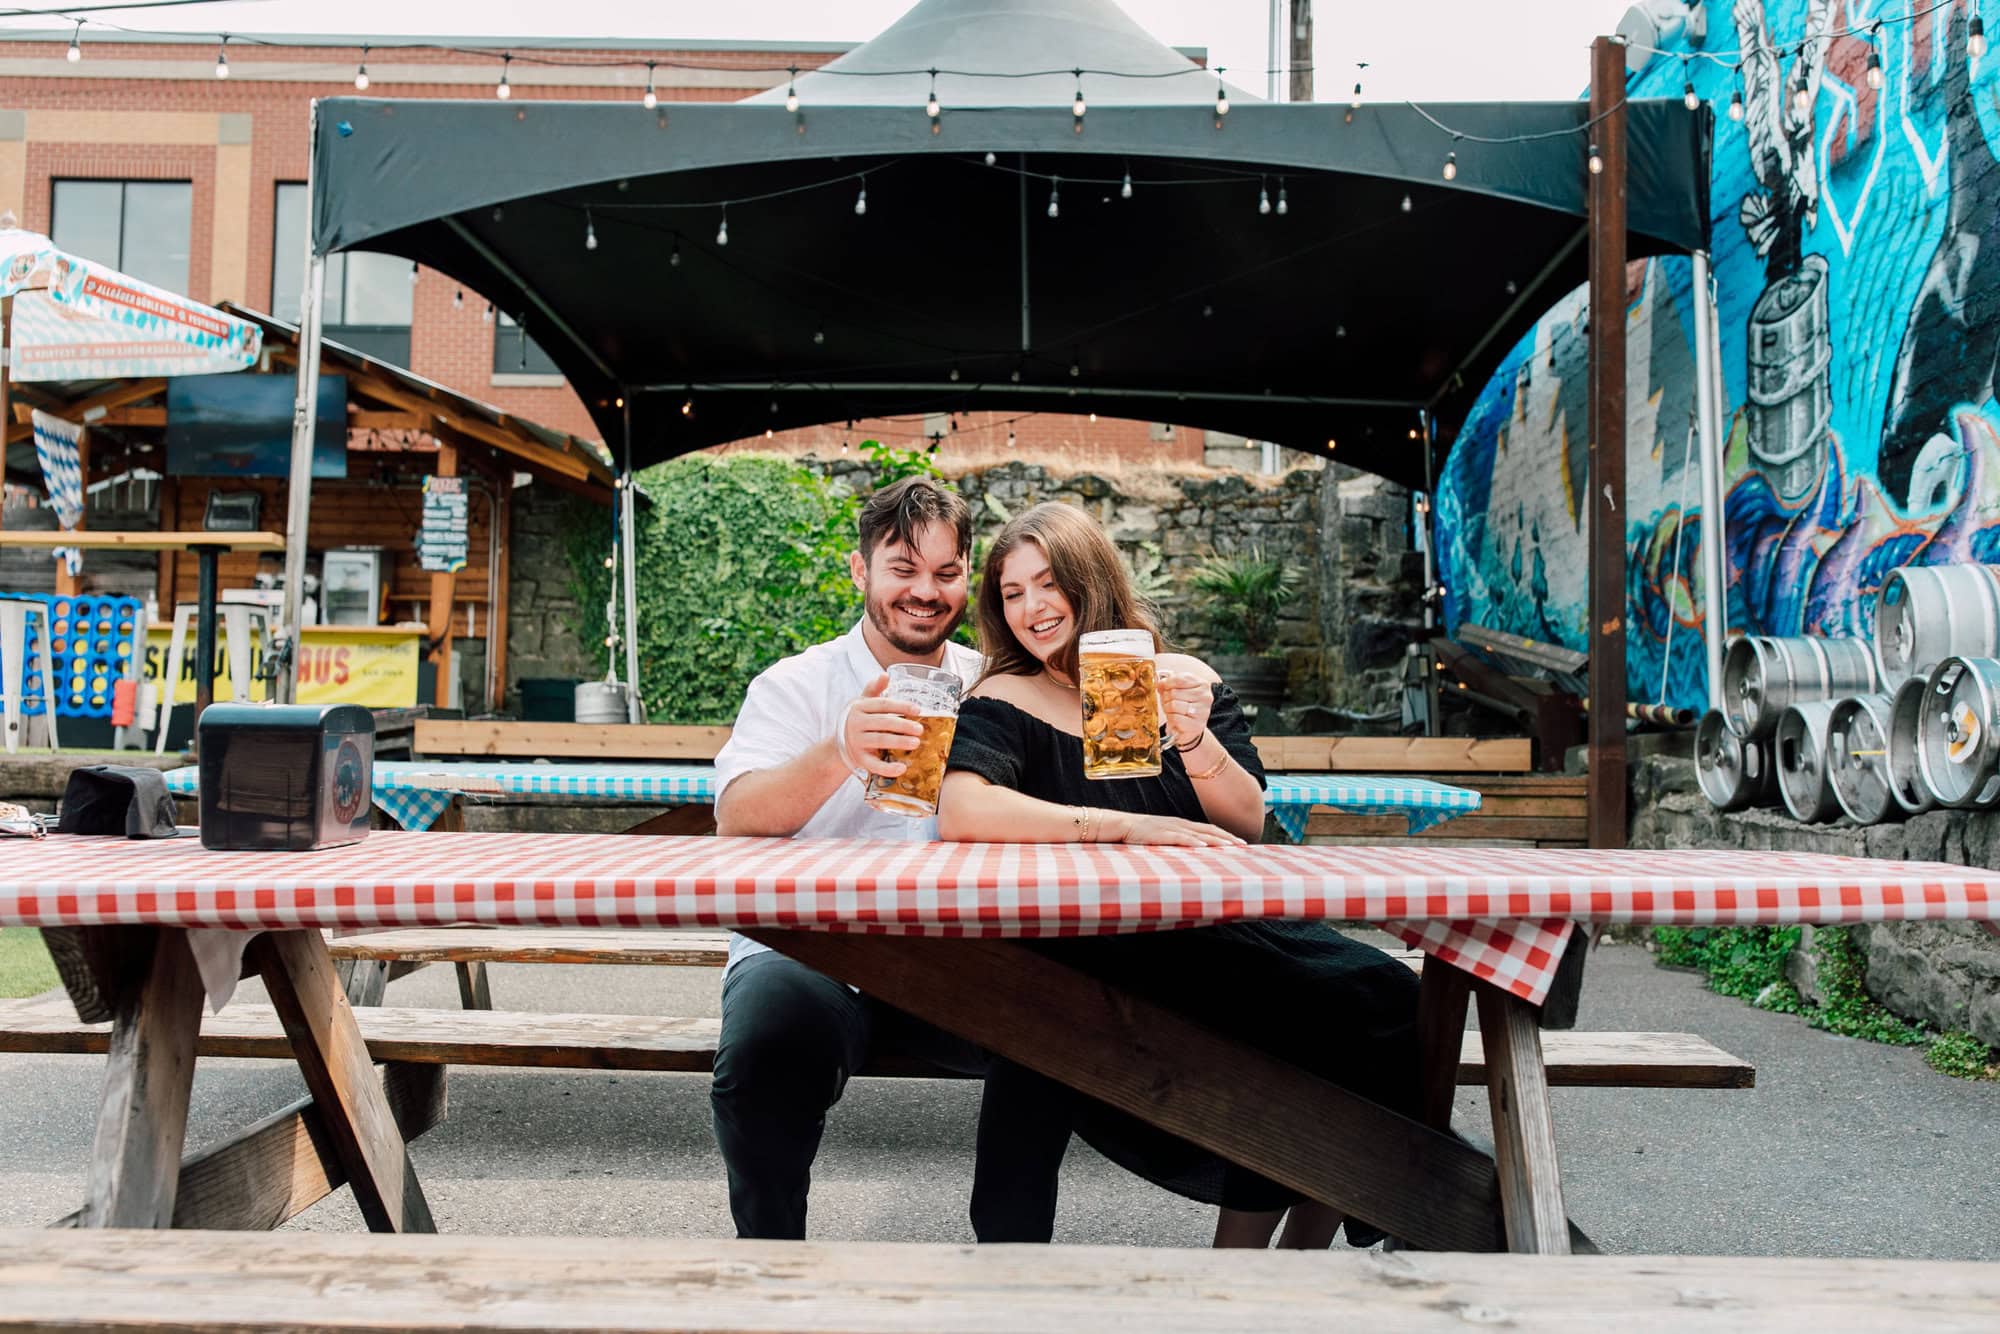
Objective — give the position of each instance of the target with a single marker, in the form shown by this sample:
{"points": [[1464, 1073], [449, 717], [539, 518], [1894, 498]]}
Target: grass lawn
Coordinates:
{"points": [[24, 965]]}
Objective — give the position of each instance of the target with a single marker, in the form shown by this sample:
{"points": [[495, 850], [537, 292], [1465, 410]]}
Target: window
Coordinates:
{"points": [[367, 297], [514, 353], [144, 228]]}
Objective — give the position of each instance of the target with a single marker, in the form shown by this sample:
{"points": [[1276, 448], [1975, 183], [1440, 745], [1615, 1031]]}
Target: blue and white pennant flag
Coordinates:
{"points": [[56, 443]]}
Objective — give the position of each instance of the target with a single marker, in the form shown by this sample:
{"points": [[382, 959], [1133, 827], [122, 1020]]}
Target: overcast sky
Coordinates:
{"points": [[1433, 50]]}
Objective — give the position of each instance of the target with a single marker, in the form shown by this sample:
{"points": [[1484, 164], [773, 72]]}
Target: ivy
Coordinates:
{"points": [[1963, 1056], [1748, 962]]}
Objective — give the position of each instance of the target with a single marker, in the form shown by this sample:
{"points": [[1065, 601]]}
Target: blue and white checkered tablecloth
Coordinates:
{"points": [[416, 794]]}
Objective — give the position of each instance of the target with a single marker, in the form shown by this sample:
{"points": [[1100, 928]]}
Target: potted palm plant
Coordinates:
{"points": [[1242, 597]]}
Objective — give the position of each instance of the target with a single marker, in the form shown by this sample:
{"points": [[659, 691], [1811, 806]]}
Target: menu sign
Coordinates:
{"points": [[441, 541]]}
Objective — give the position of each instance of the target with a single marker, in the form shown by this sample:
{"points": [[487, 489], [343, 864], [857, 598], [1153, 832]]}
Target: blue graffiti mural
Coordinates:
{"points": [[1857, 267]]}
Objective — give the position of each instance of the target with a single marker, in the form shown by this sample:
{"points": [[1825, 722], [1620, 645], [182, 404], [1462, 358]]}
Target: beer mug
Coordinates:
{"points": [[1121, 704], [914, 792]]}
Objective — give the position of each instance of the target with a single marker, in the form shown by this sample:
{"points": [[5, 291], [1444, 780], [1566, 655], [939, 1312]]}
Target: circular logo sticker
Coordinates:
{"points": [[350, 782]]}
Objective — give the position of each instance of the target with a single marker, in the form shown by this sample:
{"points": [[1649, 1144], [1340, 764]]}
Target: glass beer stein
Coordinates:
{"points": [[1121, 704], [914, 792]]}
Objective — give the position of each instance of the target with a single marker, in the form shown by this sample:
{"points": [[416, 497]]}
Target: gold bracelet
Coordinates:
{"points": [[1079, 818], [1209, 773]]}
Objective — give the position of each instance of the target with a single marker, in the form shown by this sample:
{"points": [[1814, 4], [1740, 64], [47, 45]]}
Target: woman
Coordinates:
{"points": [[1303, 991]]}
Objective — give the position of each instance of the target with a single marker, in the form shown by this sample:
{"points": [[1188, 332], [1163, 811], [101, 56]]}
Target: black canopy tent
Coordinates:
{"points": [[703, 272]]}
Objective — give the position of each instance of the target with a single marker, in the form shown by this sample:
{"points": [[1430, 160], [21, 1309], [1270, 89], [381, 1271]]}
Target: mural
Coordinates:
{"points": [[1857, 268]]}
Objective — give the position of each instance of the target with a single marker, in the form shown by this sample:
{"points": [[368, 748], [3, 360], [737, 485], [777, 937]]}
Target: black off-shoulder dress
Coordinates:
{"points": [[1300, 990]]}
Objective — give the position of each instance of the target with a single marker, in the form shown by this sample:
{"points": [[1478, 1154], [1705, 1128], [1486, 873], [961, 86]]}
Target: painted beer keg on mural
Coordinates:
{"points": [[1958, 733], [1857, 759], [1805, 780], [1906, 775], [1927, 613], [1733, 772], [1763, 676], [1791, 396]]}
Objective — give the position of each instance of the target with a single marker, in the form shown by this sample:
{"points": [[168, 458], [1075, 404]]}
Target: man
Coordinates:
{"points": [[811, 729]]}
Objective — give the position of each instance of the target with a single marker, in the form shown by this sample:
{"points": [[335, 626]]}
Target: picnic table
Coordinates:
{"points": [[934, 929], [416, 794]]}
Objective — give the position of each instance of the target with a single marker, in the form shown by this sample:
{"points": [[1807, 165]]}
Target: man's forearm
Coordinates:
{"points": [[779, 800]]}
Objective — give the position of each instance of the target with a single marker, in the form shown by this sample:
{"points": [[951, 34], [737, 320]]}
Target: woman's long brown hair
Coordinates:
{"points": [[1086, 568]]}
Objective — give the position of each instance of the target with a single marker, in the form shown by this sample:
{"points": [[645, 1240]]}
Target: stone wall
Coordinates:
{"points": [[1945, 974], [1370, 605], [542, 611]]}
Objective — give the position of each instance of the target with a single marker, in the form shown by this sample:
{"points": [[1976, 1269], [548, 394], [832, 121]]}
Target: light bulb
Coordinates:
{"points": [[931, 107], [1010, 439], [1015, 375], [722, 232], [792, 94], [1074, 370], [954, 374], [589, 233], [1975, 37], [75, 52], [687, 407], [1263, 199], [1077, 108], [1801, 97], [1689, 97], [1406, 203], [819, 336], [1596, 161], [1874, 74], [1093, 419], [861, 202], [1354, 103], [1736, 107], [651, 98], [674, 255], [1125, 189], [361, 73], [486, 316], [1284, 206], [1339, 331], [458, 299], [608, 563], [504, 90], [1055, 209], [413, 274], [1221, 100], [222, 60], [1451, 166]]}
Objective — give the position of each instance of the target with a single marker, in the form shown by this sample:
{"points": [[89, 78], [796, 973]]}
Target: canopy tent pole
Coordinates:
{"points": [[1274, 57], [1433, 720], [1714, 524], [629, 557], [305, 414], [1606, 501], [1022, 177]]}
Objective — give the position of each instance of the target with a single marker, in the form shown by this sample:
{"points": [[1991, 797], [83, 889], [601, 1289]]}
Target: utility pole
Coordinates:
{"points": [[1302, 50]]}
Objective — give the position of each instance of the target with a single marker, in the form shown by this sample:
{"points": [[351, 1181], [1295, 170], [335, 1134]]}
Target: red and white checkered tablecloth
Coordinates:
{"points": [[1500, 913]]}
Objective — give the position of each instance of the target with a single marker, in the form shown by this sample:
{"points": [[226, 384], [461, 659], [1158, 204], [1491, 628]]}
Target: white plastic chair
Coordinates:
{"points": [[14, 614], [236, 619]]}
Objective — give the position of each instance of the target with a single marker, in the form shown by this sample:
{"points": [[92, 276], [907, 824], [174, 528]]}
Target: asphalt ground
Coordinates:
{"points": [[1844, 1147]]}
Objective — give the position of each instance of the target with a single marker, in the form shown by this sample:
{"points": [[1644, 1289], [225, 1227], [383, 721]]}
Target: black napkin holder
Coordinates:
{"points": [[295, 777]]}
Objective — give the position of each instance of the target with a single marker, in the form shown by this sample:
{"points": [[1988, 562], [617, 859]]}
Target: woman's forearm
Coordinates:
{"points": [[972, 810], [1229, 795]]}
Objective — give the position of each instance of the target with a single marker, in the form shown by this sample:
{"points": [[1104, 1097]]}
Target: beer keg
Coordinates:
{"points": [[1906, 774], [1799, 748], [1927, 613], [1762, 676], [1733, 773], [1958, 733], [1857, 759]]}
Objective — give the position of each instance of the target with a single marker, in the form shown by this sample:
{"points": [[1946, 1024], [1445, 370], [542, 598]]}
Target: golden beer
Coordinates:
{"points": [[915, 790], [1121, 705]]}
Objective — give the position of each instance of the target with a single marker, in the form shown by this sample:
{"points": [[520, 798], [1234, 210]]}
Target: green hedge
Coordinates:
{"points": [[742, 560]]}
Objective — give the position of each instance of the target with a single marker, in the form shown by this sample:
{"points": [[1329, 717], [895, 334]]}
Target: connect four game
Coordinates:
{"points": [[92, 643]]}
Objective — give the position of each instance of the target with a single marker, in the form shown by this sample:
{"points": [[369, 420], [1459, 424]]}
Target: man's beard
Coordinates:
{"points": [[926, 640]]}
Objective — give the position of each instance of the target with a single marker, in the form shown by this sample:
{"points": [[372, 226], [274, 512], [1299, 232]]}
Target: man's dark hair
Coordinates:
{"points": [[896, 512]]}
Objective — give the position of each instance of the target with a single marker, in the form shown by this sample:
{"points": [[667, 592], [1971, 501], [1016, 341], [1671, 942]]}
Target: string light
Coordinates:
{"points": [[1689, 97], [361, 73], [769, 433], [651, 100], [687, 407], [1010, 437], [1801, 95], [819, 336], [1077, 107], [674, 255], [1284, 206], [503, 89], [1055, 191], [861, 200], [1975, 37], [1263, 198], [1736, 107], [792, 92], [413, 273], [954, 372], [1596, 161], [222, 58], [1125, 187], [931, 107], [1354, 103], [75, 52], [1874, 74], [589, 231], [486, 317], [722, 232], [1221, 97], [1451, 166], [1406, 204], [990, 159], [458, 299], [1093, 419]]}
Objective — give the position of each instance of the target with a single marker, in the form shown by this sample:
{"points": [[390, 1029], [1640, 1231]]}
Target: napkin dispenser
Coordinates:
{"points": [[290, 776]]}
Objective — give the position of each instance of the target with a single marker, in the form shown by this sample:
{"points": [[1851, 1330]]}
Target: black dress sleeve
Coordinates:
{"points": [[1232, 729], [988, 743]]}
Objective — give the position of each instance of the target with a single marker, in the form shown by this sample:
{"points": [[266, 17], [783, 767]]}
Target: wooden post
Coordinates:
{"points": [[444, 585], [1607, 445], [497, 614], [170, 566]]}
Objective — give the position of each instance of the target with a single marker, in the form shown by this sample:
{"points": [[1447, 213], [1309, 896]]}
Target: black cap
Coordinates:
{"points": [[118, 799]]}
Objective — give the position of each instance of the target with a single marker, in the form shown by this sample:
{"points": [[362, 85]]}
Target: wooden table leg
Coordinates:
{"points": [[1257, 1110], [473, 991], [1441, 1000], [135, 1163], [1524, 1131], [306, 992]]}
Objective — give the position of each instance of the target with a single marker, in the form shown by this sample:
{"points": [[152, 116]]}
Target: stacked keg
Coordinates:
{"points": [[1877, 732]]}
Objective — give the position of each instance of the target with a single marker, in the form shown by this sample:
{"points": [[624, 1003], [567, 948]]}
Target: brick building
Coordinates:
{"points": [[138, 154]]}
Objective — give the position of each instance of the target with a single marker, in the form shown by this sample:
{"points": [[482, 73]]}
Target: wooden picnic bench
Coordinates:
{"points": [[237, 1283]]}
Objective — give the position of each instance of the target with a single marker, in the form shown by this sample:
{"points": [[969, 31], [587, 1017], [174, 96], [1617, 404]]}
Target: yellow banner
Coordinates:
{"points": [[335, 666]]}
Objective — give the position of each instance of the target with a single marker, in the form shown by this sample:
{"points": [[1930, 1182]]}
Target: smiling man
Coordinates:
{"points": [[811, 729]]}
